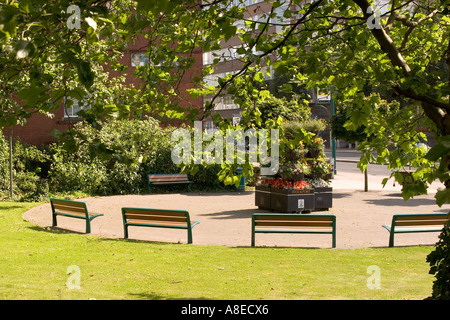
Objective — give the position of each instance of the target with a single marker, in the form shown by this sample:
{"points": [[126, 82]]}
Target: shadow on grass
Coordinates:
{"points": [[161, 299], [10, 207], [55, 230]]}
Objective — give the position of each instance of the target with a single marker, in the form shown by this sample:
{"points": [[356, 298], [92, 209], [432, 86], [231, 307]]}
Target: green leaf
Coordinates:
{"points": [[91, 22], [24, 48], [8, 22], [32, 94], [442, 197], [85, 74], [441, 149], [158, 6]]}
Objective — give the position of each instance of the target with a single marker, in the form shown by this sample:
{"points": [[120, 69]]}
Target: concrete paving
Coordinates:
{"points": [[225, 218]]}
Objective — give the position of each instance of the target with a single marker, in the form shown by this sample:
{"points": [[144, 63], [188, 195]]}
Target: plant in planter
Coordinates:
{"points": [[280, 183], [320, 168], [316, 148], [285, 195], [323, 193], [288, 191], [294, 170], [299, 152], [318, 183]]}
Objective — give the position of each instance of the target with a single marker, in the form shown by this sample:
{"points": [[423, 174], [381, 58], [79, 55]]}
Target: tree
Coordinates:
{"points": [[271, 108], [52, 51], [343, 47], [339, 131]]}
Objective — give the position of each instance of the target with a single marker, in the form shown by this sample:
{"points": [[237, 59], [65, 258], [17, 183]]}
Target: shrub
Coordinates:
{"points": [[141, 147], [30, 167], [313, 125], [439, 261], [73, 172]]}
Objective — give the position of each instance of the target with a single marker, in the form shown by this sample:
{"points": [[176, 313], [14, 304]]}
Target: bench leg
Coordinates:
{"points": [[88, 226], [189, 235], [54, 223], [391, 239], [334, 239], [125, 231]]}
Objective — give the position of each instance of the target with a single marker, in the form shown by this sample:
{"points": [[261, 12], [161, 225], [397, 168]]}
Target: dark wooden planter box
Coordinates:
{"points": [[262, 197], [283, 200], [291, 202], [323, 198]]}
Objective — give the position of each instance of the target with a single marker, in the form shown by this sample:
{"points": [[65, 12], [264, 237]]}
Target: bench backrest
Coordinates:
{"points": [[294, 220], [156, 216], [69, 207], [420, 219], [167, 177]]}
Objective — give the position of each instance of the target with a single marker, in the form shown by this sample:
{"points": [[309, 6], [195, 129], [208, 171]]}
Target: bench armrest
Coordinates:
{"points": [[95, 215], [386, 227], [194, 223]]}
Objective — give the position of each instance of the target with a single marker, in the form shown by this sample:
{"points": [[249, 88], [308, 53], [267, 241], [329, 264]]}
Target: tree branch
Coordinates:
{"points": [[384, 40], [312, 7]]}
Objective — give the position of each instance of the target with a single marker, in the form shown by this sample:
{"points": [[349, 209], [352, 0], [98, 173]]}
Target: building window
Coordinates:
{"points": [[139, 59], [243, 3], [225, 103], [72, 111]]}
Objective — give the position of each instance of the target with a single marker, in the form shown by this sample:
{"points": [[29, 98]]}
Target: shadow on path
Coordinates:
{"points": [[389, 202]]}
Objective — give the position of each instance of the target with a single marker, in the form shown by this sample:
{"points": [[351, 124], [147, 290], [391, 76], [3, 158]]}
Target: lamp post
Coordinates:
{"points": [[332, 140], [10, 163]]}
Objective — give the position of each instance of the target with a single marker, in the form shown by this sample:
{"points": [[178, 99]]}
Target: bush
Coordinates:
{"points": [[72, 173], [313, 125], [439, 261], [30, 168], [141, 147]]}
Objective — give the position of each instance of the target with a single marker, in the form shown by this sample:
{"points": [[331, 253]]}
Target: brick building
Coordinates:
{"points": [[38, 128]]}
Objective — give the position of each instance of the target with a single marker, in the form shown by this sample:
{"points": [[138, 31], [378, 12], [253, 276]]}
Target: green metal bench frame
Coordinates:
{"points": [[415, 219], [72, 209], [288, 222], [168, 178], [158, 218]]}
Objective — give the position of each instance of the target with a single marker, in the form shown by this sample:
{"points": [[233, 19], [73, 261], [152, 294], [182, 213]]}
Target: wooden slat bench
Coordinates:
{"points": [[294, 223], [169, 178], [72, 209], [415, 222], [159, 218]]}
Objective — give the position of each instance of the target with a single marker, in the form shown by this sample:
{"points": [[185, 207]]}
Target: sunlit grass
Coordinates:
{"points": [[34, 264]]}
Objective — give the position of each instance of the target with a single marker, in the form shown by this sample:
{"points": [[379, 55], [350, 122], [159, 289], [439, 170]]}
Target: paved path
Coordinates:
{"points": [[225, 218]]}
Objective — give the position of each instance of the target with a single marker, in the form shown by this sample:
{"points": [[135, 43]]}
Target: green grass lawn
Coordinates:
{"points": [[34, 264]]}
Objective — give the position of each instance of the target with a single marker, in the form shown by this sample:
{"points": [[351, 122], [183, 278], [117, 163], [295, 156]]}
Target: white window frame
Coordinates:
{"points": [[72, 111]]}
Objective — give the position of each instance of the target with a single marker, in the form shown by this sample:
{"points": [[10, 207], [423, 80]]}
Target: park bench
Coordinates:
{"points": [[159, 218], [416, 222], [72, 209], [294, 223], [165, 179]]}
